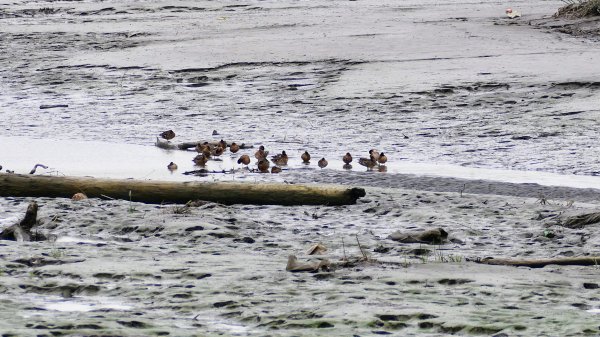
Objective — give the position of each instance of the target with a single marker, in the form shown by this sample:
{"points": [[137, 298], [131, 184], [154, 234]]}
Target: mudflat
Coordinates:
{"points": [[448, 85]]}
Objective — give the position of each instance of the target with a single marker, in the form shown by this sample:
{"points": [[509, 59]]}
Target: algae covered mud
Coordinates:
{"points": [[451, 83]]}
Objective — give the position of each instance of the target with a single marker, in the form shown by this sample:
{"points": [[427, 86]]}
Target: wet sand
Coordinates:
{"points": [[450, 84]]}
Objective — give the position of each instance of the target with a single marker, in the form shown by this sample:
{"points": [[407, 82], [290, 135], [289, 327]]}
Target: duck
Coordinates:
{"points": [[167, 135], [172, 166], [280, 159], [200, 160], [202, 148], [374, 154], [217, 151], [382, 159], [305, 157], [261, 153], [244, 159], [275, 169], [234, 148], [263, 165], [347, 158], [369, 163], [222, 144], [322, 163]]}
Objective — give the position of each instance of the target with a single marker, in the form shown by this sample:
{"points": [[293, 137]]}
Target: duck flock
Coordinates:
{"points": [[207, 151]]}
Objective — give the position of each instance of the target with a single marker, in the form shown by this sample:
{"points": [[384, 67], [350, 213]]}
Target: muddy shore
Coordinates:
{"points": [[427, 82], [121, 268]]}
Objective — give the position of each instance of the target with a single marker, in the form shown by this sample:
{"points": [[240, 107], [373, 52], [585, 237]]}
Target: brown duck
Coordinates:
{"points": [[263, 165], [382, 159], [222, 144], [203, 148], [305, 157], [167, 135], [261, 153], [200, 160], [244, 159], [172, 166], [275, 169], [374, 154], [234, 148], [347, 158], [217, 151], [280, 159], [367, 162], [323, 163]]}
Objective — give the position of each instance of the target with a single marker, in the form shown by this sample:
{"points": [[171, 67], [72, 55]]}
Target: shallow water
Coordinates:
{"points": [[129, 161]]}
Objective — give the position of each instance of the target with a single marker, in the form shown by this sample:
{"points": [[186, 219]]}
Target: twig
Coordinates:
{"points": [[360, 247]]}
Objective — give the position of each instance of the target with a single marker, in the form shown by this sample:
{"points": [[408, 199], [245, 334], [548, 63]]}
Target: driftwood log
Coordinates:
{"points": [[579, 221], [21, 231], [190, 145], [430, 236], [294, 266], [18, 185], [539, 263]]}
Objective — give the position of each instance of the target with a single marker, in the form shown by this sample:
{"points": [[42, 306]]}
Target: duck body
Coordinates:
{"points": [[369, 163], [323, 163], [217, 151], [347, 158], [263, 165], [382, 159], [172, 166], [280, 159], [200, 160], [305, 157], [261, 153], [167, 135], [204, 149], [234, 148], [374, 154], [244, 159]]}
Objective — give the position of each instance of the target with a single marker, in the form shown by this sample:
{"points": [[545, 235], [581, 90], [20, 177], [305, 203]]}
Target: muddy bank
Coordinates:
{"points": [[134, 269]]}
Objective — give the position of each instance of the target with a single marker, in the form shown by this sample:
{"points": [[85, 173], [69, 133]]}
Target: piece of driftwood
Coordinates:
{"points": [[295, 267], [21, 231], [430, 236], [539, 263], [579, 221], [147, 191], [190, 145]]}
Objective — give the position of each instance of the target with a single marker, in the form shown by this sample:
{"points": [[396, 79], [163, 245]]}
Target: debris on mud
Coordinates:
{"points": [[579, 9]]}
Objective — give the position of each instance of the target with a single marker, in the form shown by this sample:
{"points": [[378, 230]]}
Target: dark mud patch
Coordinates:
{"points": [[581, 27]]}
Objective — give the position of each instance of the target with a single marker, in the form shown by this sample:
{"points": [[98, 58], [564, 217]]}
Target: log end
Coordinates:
{"points": [[356, 193]]}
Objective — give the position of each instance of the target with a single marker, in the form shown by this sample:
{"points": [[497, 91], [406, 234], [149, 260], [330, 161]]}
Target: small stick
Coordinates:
{"points": [[344, 249], [361, 250]]}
